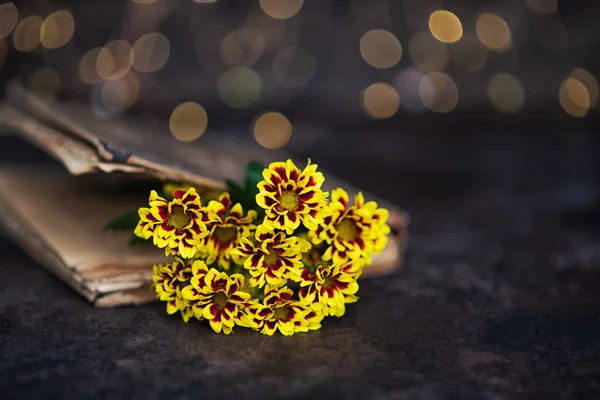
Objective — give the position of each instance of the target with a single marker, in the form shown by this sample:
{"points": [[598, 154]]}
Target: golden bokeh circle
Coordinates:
{"points": [[57, 29], [114, 59], [574, 97], [493, 32], [26, 37], [380, 48], [188, 121], [8, 18], [445, 26], [380, 100], [590, 83], [272, 130], [151, 52], [438, 92], [87, 67], [281, 9]]}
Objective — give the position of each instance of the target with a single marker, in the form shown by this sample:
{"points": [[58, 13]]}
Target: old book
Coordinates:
{"points": [[58, 216]]}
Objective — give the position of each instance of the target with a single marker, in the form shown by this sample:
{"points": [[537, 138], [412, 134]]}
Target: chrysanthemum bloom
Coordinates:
{"points": [[207, 194], [329, 288], [273, 258], [219, 299], [280, 311], [178, 226], [352, 231], [168, 280], [291, 197], [226, 232]]}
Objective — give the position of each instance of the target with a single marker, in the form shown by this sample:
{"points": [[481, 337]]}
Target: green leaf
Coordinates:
{"points": [[124, 222], [235, 191], [137, 241], [254, 171]]}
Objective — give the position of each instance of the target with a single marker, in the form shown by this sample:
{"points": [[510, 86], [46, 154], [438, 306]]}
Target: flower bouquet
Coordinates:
{"points": [[279, 254]]}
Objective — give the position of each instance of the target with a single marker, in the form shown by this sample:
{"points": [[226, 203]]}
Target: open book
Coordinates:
{"points": [[57, 217]]}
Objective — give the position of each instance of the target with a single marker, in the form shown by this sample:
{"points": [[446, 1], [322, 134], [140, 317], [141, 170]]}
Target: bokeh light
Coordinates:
{"points": [[8, 18], [493, 32], [574, 97], [114, 60], [27, 34], [380, 48], [428, 53], [44, 84], [543, 6], [121, 93], [272, 130], [151, 52], [438, 92], [468, 54], [380, 100], [242, 47], [240, 87], [281, 9], [57, 29], [87, 67], [506, 93], [188, 121], [445, 26], [590, 83], [294, 66]]}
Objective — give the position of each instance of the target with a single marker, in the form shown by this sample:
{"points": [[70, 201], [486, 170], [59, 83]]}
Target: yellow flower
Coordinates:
{"points": [[207, 194], [290, 196], [226, 232], [272, 259], [353, 232], [168, 281], [218, 299], [280, 311], [329, 288], [178, 226]]}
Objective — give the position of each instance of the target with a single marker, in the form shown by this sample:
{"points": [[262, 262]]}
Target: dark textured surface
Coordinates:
{"points": [[498, 299]]}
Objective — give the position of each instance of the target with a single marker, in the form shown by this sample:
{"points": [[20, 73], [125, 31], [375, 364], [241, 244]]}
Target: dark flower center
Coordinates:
{"points": [[178, 218], [226, 234], [271, 258], [328, 282], [220, 299], [314, 256], [347, 230], [289, 201], [281, 313]]}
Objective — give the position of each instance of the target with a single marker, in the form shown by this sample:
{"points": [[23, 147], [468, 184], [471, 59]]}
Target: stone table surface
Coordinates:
{"points": [[499, 296]]}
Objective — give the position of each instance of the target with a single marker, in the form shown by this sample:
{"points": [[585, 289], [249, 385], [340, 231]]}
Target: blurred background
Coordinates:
{"points": [[411, 86]]}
